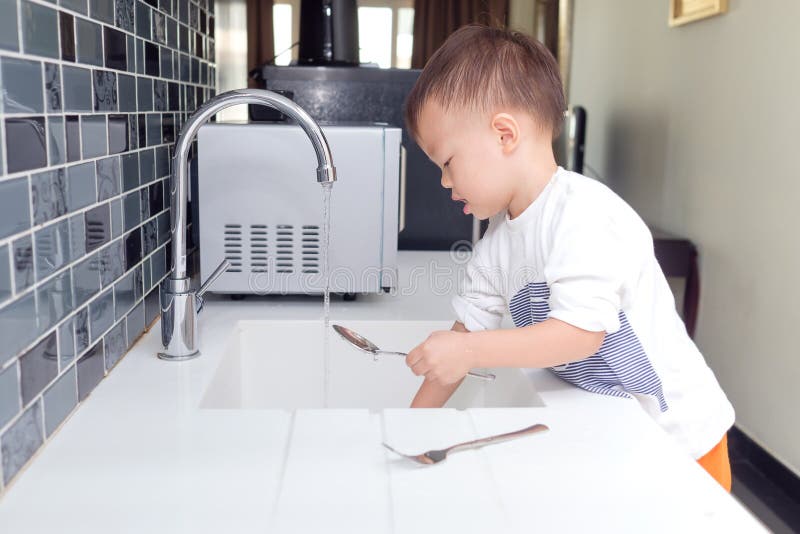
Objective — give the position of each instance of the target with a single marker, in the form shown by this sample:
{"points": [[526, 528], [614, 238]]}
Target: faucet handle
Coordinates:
{"points": [[221, 268]]}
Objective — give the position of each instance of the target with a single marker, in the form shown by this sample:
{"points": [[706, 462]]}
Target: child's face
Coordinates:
{"points": [[469, 151]]}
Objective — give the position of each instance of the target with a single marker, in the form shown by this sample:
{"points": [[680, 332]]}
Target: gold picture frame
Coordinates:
{"points": [[685, 11]]}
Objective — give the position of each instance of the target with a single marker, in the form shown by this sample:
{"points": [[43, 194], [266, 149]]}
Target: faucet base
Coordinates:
{"points": [[178, 321], [172, 358]]}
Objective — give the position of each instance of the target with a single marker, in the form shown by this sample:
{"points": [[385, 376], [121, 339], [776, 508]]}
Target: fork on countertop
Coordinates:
{"points": [[435, 456]]}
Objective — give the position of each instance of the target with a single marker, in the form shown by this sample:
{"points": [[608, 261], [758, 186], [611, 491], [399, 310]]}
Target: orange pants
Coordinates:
{"points": [[717, 464]]}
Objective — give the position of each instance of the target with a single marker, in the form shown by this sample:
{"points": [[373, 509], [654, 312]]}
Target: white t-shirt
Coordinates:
{"points": [[582, 255]]}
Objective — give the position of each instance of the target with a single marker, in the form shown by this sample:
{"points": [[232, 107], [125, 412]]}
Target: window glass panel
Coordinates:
{"points": [[375, 35], [405, 37], [282, 29]]}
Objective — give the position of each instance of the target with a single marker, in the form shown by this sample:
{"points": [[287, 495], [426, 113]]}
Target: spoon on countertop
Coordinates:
{"points": [[364, 344], [439, 455]]}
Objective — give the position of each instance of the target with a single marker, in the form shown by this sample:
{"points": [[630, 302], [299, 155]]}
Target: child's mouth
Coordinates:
{"points": [[465, 208]]}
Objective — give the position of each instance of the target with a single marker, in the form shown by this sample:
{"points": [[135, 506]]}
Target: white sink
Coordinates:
{"points": [[280, 365]]}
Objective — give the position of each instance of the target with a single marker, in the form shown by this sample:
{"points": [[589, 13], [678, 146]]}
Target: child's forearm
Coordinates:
{"points": [[546, 344], [433, 394]]}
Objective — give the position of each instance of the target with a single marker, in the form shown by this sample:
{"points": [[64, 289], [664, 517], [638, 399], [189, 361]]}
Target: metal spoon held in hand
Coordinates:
{"points": [[362, 343]]}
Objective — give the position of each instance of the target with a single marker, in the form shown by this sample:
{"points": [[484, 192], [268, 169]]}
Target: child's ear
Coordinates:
{"points": [[506, 129]]}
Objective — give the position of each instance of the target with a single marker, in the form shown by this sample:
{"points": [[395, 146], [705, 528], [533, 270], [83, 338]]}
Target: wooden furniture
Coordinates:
{"points": [[678, 258]]}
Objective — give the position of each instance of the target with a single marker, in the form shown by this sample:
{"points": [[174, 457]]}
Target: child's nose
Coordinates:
{"points": [[446, 182]]}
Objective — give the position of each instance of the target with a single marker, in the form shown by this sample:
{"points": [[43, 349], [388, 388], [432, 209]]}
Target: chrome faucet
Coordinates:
{"points": [[179, 303]]}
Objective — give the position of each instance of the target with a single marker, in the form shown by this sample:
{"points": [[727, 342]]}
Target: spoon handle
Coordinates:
{"points": [[476, 374], [482, 376], [498, 438], [403, 354]]}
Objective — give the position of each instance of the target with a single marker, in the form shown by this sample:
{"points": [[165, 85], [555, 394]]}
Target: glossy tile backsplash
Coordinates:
{"points": [[93, 94]]}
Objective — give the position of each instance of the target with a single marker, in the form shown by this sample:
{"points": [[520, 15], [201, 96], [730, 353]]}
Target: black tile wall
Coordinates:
{"points": [[112, 262], [102, 10], [22, 262], [117, 134], [5, 274], [15, 206], [73, 134], [22, 85], [141, 130], [116, 218], [81, 6], [115, 345], [58, 149], [48, 195], [9, 394], [52, 248], [66, 343], [21, 440], [38, 367], [81, 331], [39, 29], [126, 93], [133, 132], [151, 59], [52, 87], [77, 239], [130, 171], [116, 49], [66, 24], [90, 370], [9, 39], [93, 94], [54, 298], [98, 226], [90, 42], [133, 248], [101, 314], [105, 91], [124, 14], [108, 177], [77, 89], [60, 399], [93, 136], [81, 187], [26, 144]]}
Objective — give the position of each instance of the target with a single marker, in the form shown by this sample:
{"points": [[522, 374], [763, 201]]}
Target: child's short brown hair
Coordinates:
{"points": [[480, 68]]}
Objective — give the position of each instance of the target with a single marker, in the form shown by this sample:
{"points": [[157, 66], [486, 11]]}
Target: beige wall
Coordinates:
{"points": [[521, 15], [698, 127]]}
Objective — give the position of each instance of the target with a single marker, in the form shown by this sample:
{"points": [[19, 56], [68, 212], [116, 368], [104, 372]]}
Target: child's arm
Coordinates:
{"points": [[433, 394], [446, 356]]}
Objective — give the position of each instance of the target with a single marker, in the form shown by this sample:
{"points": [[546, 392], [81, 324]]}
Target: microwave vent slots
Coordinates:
{"points": [[284, 248], [311, 251], [232, 246], [258, 248]]}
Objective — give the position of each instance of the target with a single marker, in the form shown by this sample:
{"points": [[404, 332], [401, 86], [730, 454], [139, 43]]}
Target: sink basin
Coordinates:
{"points": [[280, 365]]}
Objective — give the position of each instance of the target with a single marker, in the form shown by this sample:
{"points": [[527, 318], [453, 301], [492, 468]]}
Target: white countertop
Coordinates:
{"points": [[139, 455]]}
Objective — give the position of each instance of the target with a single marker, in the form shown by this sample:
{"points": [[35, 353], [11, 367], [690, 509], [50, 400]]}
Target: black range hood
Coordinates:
{"points": [[328, 33]]}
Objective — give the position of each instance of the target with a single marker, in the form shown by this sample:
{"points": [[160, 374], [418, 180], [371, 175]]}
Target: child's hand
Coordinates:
{"points": [[442, 358]]}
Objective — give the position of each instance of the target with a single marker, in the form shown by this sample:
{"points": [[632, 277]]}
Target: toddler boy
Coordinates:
{"points": [[568, 258]]}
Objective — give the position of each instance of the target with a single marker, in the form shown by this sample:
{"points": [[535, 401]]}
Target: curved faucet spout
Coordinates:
{"points": [[326, 172], [178, 306]]}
